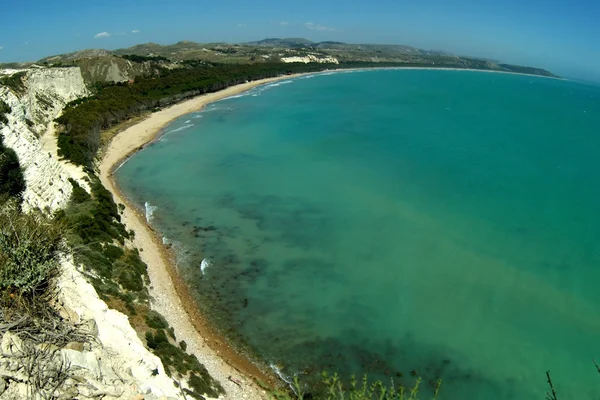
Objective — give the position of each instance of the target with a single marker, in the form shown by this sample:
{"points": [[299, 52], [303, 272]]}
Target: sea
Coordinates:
{"points": [[394, 223]]}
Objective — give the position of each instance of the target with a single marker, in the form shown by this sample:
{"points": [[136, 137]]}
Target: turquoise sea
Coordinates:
{"points": [[391, 221]]}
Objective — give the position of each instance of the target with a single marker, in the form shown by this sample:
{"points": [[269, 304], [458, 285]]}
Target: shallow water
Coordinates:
{"points": [[443, 222]]}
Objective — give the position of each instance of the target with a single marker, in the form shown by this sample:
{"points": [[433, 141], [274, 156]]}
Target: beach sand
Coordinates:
{"points": [[170, 294]]}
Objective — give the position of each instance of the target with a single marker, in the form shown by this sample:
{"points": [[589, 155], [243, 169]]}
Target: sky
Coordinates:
{"points": [[562, 36]]}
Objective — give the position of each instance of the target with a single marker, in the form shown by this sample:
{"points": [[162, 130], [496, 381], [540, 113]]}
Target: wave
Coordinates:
{"points": [[181, 128], [188, 121], [149, 210], [278, 84], [236, 96], [120, 165], [282, 376], [205, 264]]}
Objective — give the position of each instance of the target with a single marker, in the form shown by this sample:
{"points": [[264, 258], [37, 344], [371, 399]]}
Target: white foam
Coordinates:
{"points": [[278, 84], [282, 376], [236, 96], [120, 165], [188, 121], [205, 264], [181, 128], [149, 211]]}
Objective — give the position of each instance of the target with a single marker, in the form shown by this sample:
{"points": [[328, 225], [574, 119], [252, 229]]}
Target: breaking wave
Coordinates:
{"points": [[149, 210]]}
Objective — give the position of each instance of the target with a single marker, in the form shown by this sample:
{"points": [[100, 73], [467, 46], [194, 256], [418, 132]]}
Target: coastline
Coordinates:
{"points": [[169, 292]]}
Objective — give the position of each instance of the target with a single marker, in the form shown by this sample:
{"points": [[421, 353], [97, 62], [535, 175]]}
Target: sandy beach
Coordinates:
{"points": [[170, 294]]}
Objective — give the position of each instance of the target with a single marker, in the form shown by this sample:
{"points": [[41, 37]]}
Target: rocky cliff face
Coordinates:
{"points": [[29, 131]]}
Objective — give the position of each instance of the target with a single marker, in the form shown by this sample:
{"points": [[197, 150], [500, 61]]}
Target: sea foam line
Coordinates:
{"points": [[181, 128], [149, 210], [282, 376]]}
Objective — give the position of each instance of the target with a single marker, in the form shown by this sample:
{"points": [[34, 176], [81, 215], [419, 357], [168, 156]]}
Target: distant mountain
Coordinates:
{"points": [[100, 65], [276, 42]]}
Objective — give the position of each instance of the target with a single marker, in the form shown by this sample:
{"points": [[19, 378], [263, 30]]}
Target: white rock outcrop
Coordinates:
{"points": [[118, 361], [311, 59], [33, 110]]}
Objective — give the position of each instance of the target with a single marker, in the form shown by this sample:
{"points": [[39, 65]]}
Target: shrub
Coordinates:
{"points": [[30, 249], [79, 194], [4, 109], [155, 320], [12, 182]]}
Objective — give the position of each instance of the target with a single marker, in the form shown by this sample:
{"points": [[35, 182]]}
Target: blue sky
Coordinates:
{"points": [[560, 35]]}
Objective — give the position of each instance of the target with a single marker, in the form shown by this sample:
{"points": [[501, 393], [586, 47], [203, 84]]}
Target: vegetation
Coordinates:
{"points": [[4, 109], [141, 59], [176, 360], [334, 388], [30, 249], [12, 182], [14, 81], [367, 391]]}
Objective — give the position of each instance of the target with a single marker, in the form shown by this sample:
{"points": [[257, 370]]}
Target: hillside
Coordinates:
{"points": [[98, 65]]}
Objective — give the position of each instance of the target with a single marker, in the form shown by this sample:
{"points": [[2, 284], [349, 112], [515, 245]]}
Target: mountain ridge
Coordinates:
{"points": [[100, 65]]}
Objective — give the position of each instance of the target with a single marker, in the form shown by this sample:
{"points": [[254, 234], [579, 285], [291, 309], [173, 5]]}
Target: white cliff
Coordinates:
{"points": [[33, 109], [311, 58]]}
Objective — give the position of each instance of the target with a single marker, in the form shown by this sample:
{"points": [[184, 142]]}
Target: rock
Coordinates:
{"points": [[46, 347], [11, 344], [90, 326], [77, 346], [85, 360], [69, 393], [16, 390], [3, 386]]}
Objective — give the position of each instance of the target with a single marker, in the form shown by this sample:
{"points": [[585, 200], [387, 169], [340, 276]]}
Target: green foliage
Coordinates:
{"points": [[79, 194], [30, 249], [155, 320], [178, 361], [95, 218], [141, 59], [365, 390], [96, 232], [12, 182], [4, 109], [14, 81]]}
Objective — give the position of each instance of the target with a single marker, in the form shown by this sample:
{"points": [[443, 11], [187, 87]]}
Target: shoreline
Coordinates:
{"points": [[170, 294]]}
